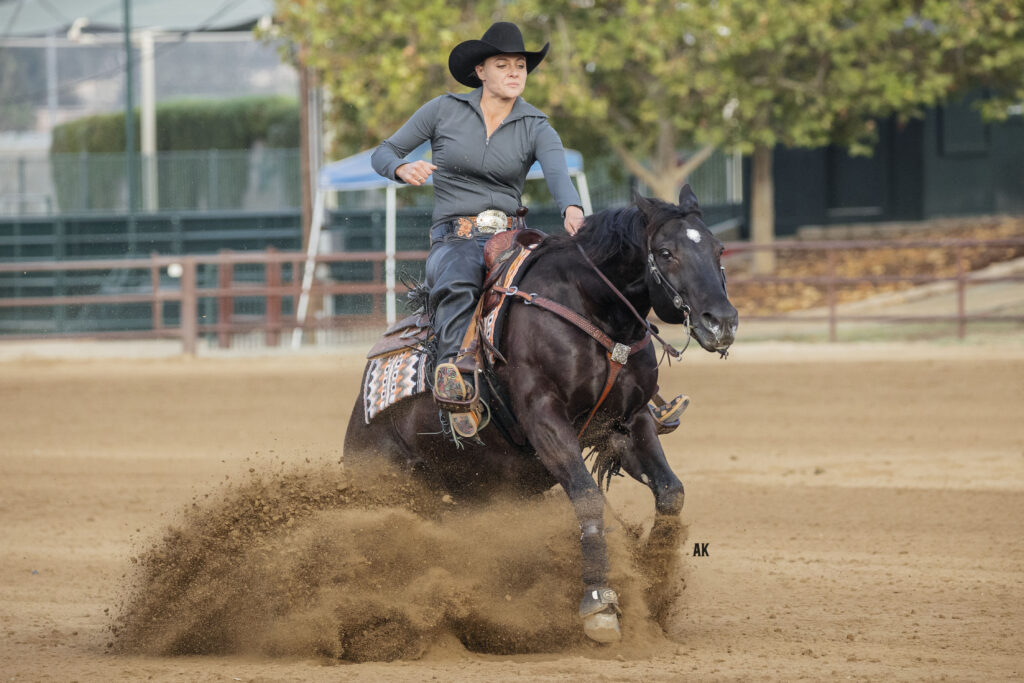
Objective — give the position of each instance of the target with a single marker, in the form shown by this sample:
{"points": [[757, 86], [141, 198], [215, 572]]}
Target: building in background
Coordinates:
{"points": [[949, 163]]}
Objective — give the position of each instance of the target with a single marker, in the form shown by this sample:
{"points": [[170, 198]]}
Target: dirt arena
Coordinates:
{"points": [[862, 507]]}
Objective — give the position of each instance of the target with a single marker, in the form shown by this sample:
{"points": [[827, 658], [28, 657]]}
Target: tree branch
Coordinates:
{"points": [[634, 165], [680, 174], [788, 83]]}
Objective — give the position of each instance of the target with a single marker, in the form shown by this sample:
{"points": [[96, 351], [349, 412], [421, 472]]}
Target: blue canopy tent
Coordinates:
{"points": [[356, 173]]}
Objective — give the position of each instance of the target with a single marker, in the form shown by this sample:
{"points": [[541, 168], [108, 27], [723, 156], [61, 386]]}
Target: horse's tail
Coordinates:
{"points": [[606, 464]]}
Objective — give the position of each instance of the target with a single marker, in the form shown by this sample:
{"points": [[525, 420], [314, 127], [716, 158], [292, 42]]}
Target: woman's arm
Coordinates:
{"points": [[388, 157], [551, 155]]}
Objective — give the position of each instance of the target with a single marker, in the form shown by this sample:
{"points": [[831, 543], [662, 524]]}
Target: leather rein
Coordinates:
{"points": [[618, 354]]}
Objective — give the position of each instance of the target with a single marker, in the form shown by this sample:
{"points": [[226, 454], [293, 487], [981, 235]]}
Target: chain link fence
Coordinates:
{"points": [[259, 179]]}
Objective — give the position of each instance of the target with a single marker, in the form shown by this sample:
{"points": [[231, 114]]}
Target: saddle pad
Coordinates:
{"points": [[406, 333], [392, 377]]}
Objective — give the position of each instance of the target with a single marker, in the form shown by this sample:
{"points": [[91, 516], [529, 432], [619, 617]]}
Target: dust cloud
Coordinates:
{"points": [[318, 561]]}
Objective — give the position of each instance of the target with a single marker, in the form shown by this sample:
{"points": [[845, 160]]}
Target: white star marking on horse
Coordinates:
{"points": [[693, 234]]}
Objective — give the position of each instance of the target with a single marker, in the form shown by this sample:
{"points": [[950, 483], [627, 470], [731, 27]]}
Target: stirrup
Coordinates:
{"points": [[667, 414], [451, 393]]}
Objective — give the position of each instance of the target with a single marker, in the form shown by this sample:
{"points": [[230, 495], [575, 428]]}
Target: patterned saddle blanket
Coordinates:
{"points": [[400, 364]]}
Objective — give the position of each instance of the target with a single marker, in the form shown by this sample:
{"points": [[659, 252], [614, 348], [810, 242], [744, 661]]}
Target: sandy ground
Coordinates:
{"points": [[862, 507]]}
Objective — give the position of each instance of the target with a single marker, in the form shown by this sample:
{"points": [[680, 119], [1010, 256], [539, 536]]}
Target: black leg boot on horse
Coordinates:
{"points": [[455, 273]]}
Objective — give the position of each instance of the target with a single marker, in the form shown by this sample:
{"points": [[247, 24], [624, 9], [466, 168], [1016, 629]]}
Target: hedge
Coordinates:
{"points": [[182, 125], [190, 125]]}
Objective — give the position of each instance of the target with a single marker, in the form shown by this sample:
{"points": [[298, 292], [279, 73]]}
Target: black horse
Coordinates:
{"points": [[658, 255]]}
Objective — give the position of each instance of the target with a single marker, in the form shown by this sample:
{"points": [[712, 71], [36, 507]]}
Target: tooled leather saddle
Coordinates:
{"points": [[398, 365]]}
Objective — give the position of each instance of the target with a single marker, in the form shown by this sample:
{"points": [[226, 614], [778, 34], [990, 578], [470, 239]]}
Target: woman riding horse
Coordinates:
{"points": [[483, 144]]}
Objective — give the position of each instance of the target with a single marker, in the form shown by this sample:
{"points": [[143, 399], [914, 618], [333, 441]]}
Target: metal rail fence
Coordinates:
{"points": [[195, 296]]}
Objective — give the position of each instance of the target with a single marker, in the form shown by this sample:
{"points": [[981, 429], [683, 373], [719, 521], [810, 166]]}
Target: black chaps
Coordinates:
{"points": [[455, 274]]}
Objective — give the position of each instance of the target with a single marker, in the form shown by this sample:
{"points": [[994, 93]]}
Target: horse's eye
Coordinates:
{"points": [[664, 253]]}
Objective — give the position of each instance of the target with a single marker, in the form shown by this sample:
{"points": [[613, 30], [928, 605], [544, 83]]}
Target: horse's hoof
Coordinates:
{"points": [[603, 627]]}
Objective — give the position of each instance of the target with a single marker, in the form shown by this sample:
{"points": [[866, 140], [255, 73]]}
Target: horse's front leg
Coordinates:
{"points": [[552, 435], [643, 458]]}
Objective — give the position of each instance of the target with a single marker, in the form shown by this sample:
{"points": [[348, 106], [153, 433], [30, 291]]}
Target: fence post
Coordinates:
{"points": [[961, 295], [225, 303], [379, 302], [273, 300], [83, 181], [832, 336], [154, 279], [189, 307], [296, 287], [211, 180], [22, 186]]}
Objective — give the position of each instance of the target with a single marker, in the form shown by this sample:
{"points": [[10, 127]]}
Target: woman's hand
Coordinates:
{"points": [[416, 172], [573, 219]]}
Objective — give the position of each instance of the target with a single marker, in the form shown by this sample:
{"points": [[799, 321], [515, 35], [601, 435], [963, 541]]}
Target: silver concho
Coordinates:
{"points": [[620, 353], [491, 220]]}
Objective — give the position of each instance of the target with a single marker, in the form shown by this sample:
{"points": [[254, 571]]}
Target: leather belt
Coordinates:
{"points": [[488, 222]]}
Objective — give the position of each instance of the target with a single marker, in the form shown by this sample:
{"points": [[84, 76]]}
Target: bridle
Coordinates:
{"points": [[660, 279], [674, 296], [670, 350]]}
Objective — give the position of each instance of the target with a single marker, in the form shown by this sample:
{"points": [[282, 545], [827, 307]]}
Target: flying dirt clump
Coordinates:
{"points": [[317, 562]]}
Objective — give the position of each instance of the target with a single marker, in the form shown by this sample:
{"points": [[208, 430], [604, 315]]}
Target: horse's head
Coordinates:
{"points": [[684, 271]]}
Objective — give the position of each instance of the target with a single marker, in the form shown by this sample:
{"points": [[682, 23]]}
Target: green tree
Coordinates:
{"points": [[378, 61], [648, 78], [651, 77]]}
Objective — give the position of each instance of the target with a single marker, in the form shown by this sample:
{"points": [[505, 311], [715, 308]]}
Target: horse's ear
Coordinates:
{"points": [[688, 200], [645, 205]]}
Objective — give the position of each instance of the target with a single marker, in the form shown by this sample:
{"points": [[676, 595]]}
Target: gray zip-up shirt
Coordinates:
{"points": [[473, 173]]}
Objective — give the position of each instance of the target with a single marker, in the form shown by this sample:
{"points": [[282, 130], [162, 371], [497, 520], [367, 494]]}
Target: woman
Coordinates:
{"points": [[483, 145]]}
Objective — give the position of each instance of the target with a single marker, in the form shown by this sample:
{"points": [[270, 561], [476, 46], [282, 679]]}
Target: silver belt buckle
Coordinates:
{"points": [[491, 220]]}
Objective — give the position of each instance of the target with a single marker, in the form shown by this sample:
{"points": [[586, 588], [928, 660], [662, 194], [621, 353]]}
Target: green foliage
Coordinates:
{"points": [[379, 61], [650, 77], [190, 125], [646, 78]]}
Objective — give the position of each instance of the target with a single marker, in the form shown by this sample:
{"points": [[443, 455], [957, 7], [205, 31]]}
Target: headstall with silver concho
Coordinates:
{"points": [[660, 279]]}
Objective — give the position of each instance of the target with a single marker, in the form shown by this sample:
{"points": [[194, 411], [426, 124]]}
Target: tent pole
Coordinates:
{"points": [[312, 249], [581, 182], [389, 253]]}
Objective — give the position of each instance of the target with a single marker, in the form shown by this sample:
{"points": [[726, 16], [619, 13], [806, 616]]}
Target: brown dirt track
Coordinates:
{"points": [[862, 507]]}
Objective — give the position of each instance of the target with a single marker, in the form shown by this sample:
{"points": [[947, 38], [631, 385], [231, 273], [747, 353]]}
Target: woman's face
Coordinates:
{"points": [[503, 75]]}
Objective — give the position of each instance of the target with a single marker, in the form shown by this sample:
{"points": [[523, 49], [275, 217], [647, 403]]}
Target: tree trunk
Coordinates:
{"points": [[762, 210], [665, 190], [668, 175]]}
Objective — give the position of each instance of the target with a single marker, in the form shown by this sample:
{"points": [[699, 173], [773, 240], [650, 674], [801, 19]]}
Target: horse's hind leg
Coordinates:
{"points": [[376, 444], [559, 451]]}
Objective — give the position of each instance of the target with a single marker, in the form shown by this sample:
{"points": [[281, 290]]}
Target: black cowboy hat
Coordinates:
{"points": [[501, 38]]}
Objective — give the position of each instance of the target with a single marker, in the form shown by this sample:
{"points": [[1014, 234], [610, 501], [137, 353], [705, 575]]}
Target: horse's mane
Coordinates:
{"points": [[613, 234]]}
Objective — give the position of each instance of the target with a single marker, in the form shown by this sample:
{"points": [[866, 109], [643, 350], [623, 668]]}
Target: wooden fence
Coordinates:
{"points": [[276, 289]]}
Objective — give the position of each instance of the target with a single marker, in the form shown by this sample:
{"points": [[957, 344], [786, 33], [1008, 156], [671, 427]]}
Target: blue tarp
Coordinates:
{"points": [[355, 172]]}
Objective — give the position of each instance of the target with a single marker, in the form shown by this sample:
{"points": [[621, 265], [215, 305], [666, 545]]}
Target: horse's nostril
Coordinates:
{"points": [[711, 323]]}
